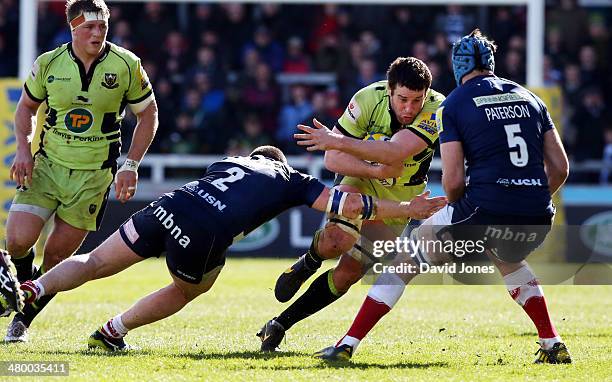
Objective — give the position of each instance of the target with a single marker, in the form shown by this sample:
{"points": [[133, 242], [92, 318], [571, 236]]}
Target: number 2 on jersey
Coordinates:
{"points": [[236, 173], [520, 158]]}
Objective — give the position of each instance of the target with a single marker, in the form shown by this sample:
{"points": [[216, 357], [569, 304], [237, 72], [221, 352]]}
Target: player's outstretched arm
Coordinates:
{"points": [[127, 176], [556, 164], [23, 164], [402, 145], [359, 206]]}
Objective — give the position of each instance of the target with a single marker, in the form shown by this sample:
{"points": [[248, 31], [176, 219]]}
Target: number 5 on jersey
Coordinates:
{"points": [[520, 158]]}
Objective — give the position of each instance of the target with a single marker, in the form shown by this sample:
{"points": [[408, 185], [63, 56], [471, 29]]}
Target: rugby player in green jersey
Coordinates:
{"points": [[86, 85], [402, 108]]}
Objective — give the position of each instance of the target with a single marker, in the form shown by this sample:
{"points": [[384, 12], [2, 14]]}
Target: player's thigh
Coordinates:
{"points": [[62, 242], [113, 256], [22, 231], [191, 290], [84, 198], [340, 233]]}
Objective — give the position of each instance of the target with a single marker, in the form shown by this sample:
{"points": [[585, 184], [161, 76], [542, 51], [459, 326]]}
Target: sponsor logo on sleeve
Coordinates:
{"points": [[353, 111]]}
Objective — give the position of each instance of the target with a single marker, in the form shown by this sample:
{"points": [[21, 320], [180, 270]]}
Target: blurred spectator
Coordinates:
{"points": [[589, 68], [330, 56], [152, 28], [296, 61], [455, 23], [269, 50], [512, 67], [420, 50], [298, 111], [399, 33], [589, 120], [251, 136], [167, 107], [555, 48], [326, 108], [552, 76], [236, 30], [184, 139], [572, 22], [325, 25], [366, 75], [206, 63], [600, 37], [441, 81], [121, 33], [261, 96]]}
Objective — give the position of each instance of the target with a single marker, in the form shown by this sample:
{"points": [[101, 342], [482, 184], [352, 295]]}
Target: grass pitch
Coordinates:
{"points": [[436, 333]]}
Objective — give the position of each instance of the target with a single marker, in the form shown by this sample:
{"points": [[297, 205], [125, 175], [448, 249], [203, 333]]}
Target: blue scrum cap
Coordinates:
{"points": [[472, 52]]}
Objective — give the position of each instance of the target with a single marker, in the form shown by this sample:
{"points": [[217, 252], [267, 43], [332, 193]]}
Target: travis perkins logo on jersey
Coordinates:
{"points": [[110, 81]]}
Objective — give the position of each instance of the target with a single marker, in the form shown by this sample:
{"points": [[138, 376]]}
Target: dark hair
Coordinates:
{"points": [[75, 7], [409, 72], [270, 152]]}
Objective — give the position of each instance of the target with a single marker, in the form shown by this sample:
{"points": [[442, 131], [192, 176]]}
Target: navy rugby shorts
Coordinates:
{"points": [[510, 238], [193, 243]]}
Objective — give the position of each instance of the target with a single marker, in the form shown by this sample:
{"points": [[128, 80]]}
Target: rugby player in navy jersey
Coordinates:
{"points": [[514, 163], [194, 225]]}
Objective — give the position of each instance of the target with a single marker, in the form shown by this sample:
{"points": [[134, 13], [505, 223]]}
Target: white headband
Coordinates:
{"points": [[85, 17]]}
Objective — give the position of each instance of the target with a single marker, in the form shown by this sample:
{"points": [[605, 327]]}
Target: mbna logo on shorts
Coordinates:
{"points": [[78, 120]]}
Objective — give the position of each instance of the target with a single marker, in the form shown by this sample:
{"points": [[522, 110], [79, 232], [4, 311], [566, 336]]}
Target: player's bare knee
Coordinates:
{"points": [[188, 292], [17, 247], [52, 258], [345, 276], [334, 242]]}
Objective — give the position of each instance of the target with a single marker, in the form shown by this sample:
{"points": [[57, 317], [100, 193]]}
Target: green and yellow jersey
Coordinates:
{"points": [[369, 112], [81, 129]]}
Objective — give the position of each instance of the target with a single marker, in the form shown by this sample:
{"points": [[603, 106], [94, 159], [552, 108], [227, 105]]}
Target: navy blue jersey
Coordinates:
{"points": [[241, 193], [501, 126]]}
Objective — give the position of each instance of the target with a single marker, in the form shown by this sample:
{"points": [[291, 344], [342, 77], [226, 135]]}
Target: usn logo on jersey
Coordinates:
{"points": [[78, 120]]}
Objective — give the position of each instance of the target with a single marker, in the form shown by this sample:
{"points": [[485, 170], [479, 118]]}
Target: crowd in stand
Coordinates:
{"points": [[215, 66]]}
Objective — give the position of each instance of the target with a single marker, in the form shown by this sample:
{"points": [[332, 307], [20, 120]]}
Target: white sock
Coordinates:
{"points": [[351, 341], [40, 289], [548, 343], [114, 328], [387, 289]]}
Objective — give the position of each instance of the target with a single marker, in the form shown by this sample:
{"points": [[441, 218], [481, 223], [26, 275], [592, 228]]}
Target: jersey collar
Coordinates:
{"points": [[87, 76]]}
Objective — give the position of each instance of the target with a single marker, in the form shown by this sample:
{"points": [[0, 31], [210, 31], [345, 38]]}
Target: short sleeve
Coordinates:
{"points": [[307, 188], [447, 127], [35, 84], [424, 126], [547, 122], [354, 120], [140, 93]]}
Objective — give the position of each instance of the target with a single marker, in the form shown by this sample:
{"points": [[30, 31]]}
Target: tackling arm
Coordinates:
{"points": [[354, 205]]}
